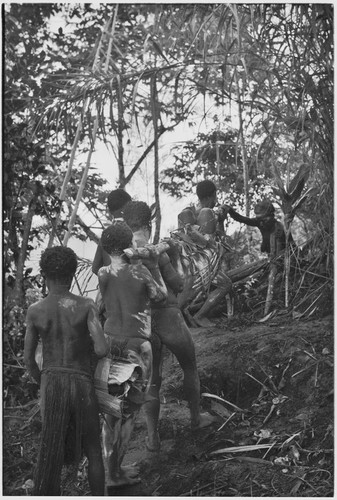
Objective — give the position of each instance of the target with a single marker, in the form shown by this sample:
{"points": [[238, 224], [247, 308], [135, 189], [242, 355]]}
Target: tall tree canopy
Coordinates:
{"points": [[137, 71]]}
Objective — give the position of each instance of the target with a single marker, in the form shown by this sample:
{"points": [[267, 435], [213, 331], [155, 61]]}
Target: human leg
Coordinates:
{"points": [[111, 434], [214, 298], [116, 438], [222, 292], [174, 333], [117, 432], [152, 405]]}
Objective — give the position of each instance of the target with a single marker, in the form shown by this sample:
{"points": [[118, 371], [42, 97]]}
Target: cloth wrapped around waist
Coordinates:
{"points": [[126, 372]]}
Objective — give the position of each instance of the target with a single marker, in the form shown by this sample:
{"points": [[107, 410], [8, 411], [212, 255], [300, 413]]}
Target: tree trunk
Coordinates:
{"points": [[240, 99], [156, 158], [134, 169], [121, 169], [286, 264], [247, 270], [270, 292], [19, 295]]}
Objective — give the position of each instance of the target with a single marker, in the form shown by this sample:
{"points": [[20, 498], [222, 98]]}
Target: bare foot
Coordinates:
{"points": [[203, 322], [206, 419], [154, 443], [128, 474]]}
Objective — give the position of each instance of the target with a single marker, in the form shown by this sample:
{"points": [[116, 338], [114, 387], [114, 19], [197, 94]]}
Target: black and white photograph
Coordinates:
{"points": [[168, 246]]}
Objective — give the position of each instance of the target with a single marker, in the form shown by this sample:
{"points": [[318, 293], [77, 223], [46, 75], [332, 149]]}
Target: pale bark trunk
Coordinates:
{"points": [[156, 160], [19, 295]]}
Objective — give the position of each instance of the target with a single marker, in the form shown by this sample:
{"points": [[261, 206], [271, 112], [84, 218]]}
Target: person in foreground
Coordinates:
{"points": [[127, 289], [69, 328], [169, 329]]}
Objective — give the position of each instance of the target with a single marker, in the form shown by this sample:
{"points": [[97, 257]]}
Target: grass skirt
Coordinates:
{"points": [[63, 397]]}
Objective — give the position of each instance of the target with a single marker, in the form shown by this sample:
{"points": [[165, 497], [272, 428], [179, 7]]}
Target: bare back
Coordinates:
{"points": [[61, 321], [126, 291]]}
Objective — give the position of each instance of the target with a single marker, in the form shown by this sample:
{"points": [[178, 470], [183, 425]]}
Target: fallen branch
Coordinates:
{"points": [[261, 383], [246, 270], [252, 460], [207, 395], [225, 423], [30, 418], [240, 449]]}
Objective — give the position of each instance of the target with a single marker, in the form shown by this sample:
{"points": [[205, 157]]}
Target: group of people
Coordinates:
{"points": [[135, 315]]}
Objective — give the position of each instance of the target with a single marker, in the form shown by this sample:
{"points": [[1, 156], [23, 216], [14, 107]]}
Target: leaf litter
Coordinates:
{"points": [[240, 455]]}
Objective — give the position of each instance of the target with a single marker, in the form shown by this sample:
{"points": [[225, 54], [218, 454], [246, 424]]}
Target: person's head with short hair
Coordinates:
{"points": [[137, 215], [264, 208], [116, 238], [58, 264], [116, 201], [206, 192]]}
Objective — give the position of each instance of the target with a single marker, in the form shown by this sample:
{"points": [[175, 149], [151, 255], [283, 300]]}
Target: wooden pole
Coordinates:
{"points": [[92, 146], [67, 176], [82, 186]]}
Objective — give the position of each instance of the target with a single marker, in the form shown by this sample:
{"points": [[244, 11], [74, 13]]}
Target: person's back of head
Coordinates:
{"points": [[206, 192], [116, 238], [137, 215], [116, 201], [205, 189], [58, 264]]}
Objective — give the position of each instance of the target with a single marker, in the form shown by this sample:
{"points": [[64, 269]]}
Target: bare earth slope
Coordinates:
{"points": [[279, 376], [293, 359]]}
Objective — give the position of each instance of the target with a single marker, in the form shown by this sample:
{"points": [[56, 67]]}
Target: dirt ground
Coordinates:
{"points": [[279, 377]]}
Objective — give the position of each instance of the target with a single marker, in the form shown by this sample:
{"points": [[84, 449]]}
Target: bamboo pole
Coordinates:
{"points": [[156, 157], [92, 145], [67, 176], [82, 186]]}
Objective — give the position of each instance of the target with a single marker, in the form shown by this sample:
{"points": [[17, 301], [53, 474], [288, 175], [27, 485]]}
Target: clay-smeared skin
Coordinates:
{"points": [[126, 291], [128, 314]]}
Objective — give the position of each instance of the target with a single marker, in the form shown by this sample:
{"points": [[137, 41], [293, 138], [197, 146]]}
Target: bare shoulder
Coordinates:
{"points": [[83, 301], [103, 272], [140, 269], [35, 309]]}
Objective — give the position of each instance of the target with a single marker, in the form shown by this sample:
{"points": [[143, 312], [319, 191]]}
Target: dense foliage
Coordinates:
{"points": [[259, 76]]}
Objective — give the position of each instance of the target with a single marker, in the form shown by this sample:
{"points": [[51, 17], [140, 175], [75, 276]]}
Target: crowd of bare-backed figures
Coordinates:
{"points": [[98, 362]]}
